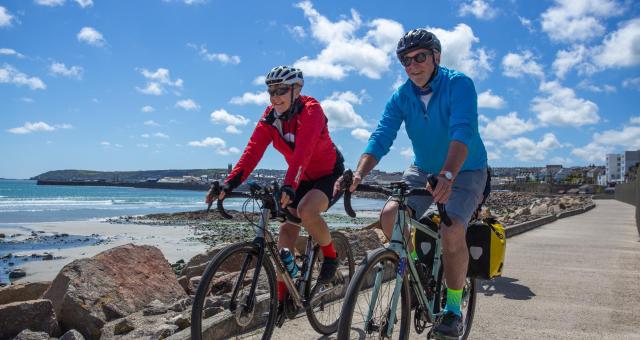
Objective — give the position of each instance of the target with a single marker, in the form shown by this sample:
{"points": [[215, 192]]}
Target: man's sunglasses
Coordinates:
{"points": [[279, 91], [418, 58]]}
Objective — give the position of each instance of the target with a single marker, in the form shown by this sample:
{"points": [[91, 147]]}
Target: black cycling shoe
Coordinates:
{"points": [[328, 270], [450, 327]]}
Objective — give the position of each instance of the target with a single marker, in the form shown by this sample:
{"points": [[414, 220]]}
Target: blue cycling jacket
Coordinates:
{"points": [[452, 114]]}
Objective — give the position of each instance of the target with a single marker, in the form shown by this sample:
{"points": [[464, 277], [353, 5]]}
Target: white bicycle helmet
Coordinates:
{"points": [[284, 75]]}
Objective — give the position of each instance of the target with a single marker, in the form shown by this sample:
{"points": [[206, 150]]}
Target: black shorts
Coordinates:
{"points": [[324, 184]]}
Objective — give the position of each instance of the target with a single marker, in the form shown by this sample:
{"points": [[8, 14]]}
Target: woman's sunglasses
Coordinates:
{"points": [[278, 91], [418, 58]]}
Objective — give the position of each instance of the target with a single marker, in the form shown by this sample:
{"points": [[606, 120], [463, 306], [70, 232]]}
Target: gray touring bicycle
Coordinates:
{"points": [[236, 296], [379, 298]]}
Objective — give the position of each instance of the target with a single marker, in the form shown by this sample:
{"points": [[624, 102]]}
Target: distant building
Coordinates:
{"points": [[229, 168], [629, 161], [614, 168]]}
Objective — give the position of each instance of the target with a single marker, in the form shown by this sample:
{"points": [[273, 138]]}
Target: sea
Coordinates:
{"points": [[23, 201]]}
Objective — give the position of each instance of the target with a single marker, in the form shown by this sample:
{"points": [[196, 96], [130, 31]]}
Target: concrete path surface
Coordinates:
{"points": [[575, 278]]}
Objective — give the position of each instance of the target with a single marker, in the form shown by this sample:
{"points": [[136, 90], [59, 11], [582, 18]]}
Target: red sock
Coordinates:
{"points": [[282, 290], [329, 251]]}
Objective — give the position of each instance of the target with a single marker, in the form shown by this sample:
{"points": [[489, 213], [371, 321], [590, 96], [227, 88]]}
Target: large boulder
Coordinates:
{"points": [[366, 240], [197, 264], [23, 292], [87, 293], [35, 315]]}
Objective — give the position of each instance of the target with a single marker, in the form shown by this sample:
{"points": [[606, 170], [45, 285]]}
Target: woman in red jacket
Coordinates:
{"points": [[297, 127]]}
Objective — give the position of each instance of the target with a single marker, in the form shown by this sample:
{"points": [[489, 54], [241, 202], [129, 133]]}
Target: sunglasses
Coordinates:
{"points": [[279, 91], [418, 58]]}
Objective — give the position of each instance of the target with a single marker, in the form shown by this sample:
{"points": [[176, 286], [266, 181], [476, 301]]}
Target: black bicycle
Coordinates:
{"points": [[236, 296]]}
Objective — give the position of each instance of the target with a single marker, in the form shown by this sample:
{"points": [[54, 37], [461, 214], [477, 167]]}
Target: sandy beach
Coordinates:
{"points": [[175, 242]]}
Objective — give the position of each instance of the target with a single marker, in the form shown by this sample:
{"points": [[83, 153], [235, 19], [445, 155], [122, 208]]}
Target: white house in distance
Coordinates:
{"points": [[617, 165]]}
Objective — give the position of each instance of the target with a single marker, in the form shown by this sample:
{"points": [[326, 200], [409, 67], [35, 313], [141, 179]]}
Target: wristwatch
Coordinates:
{"points": [[448, 175]]}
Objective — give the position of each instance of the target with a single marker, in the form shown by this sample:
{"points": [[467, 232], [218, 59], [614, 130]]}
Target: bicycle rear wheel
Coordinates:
{"points": [[221, 308], [325, 303], [360, 297]]}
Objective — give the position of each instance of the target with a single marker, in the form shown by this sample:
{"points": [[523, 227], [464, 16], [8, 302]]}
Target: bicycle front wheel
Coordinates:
{"points": [[222, 308], [325, 301], [366, 312]]}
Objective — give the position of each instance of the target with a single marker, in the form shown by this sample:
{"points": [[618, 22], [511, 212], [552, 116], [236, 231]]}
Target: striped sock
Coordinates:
{"points": [[453, 301]]}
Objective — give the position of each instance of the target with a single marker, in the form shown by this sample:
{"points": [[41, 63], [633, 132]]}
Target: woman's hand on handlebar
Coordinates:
{"points": [[356, 179]]}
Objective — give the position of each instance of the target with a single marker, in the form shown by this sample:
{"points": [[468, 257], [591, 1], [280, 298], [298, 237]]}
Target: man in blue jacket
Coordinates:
{"points": [[439, 109]]}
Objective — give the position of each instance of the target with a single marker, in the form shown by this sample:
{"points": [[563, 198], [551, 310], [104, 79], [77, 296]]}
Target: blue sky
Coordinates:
{"points": [[159, 84]]}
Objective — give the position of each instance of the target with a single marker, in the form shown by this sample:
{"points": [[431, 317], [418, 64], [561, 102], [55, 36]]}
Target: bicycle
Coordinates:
{"points": [[390, 274], [236, 296]]}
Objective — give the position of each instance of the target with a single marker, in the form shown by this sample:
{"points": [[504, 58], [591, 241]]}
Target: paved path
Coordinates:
{"points": [[576, 278]]}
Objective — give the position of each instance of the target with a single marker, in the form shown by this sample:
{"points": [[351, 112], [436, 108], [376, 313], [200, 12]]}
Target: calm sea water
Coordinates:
{"points": [[23, 201]]}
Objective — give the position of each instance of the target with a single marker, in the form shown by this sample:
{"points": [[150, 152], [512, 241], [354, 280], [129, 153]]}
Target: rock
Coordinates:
{"points": [[47, 257], [72, 335], [2, 235], [35, 315], [17, 273], [89, 292], [194, 282], [123, 327], [184, 283], [182, 305], [23, 292], [197, 264], [181, 321], [541, 209], [30, 335], [155, 308], [365, 240]]}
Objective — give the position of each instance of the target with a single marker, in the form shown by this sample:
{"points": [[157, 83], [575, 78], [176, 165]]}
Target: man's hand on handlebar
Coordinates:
{"points": [[442, 190], [287, 195]]}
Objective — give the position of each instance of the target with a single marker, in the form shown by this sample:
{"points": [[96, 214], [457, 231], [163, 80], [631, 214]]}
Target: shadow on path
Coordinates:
{"points": [[505, 286]]}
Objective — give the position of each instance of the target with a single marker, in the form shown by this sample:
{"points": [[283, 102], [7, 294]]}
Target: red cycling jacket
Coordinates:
{"points": [[303, 140]]}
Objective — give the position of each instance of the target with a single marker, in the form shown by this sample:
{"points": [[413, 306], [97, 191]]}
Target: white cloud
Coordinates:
{"points": [[85, 3], [340, 112], [224, 117], [407, 153], [188, 2], [258, 98], [505, 127], [26, 99], [147, 109], [10, 75], [218, 144], [620, 48], [160, 135], [221, 57], [632, 83], [628, 138], [526, 23], [29, 127], [259, 80], [344, 52], [145, 135], [151, 123], [50, 3], [90, 36], [188, 104], [478, 8], [399, 81], [233, 130], [572, 21], [592, 152], [5, 17], [142, 145], [105, 144], [487, 99], [297, 32], [587, 85], [529, 151], [9, 51], [458, 54], [61, 69], [516, 65], [361, 134], [635, 120], [156, 82], [567, 59], [561, 107]]}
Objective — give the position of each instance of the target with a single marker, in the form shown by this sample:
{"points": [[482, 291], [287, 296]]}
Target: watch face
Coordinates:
{"points": [[448, 175]]}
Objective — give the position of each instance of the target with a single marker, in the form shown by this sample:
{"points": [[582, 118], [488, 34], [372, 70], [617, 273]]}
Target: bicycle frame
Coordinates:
{"points": [[405, 263]]}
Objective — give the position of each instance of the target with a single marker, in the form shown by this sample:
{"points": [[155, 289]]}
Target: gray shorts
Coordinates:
{"points": [[466, 193]]}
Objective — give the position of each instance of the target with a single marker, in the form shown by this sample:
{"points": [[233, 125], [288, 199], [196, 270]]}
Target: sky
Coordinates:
{"points": [[178, 84]]}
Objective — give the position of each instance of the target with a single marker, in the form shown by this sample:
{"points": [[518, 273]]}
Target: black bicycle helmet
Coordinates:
{"points": [[416, 39]]}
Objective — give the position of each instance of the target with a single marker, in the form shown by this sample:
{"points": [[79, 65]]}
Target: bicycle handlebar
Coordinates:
{"points": [[432, 179]]}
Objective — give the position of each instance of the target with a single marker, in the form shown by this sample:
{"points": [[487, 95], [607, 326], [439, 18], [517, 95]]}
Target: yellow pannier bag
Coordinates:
{"points": [[487, 243]]}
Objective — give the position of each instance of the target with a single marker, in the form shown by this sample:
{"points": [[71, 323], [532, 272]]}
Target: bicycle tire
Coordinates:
{"points": [[329, 325], [362, 279], [223, 263]]}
